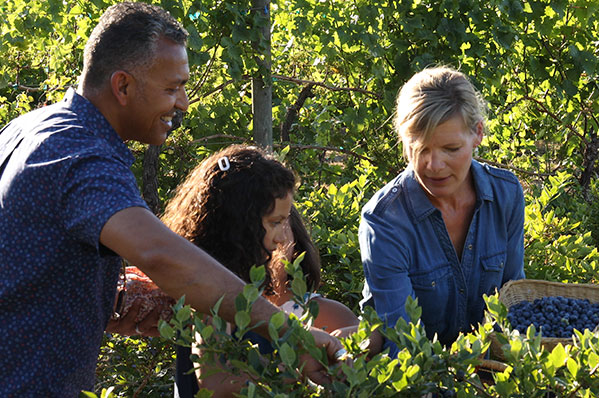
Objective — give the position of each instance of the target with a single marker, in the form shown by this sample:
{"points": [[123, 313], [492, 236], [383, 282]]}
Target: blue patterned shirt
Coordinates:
{"points": [[406, 251], [64, 172]]}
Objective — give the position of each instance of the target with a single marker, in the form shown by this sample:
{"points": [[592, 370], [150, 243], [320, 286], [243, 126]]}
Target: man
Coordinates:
{"points": [[70, 209]]}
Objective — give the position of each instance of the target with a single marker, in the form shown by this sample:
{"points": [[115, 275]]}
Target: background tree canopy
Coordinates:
{"points": [[336, 69]]}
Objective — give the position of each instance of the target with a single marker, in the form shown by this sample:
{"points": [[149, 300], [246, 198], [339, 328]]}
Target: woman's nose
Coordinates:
{"points": [[435, 162]]}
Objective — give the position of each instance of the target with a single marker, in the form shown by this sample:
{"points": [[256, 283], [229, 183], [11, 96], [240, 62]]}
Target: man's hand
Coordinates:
{"points": [[127, 326]]}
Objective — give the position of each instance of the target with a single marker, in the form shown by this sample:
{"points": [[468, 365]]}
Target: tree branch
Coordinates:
{"points": [[516, 169], [293, 80], [294, 109], [332, 88], [542, 107], [325, 149], [227, 136]]}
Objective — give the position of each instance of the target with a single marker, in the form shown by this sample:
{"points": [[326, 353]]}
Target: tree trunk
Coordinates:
{"points": [[150, 180], [262, 83], [591, 154]]}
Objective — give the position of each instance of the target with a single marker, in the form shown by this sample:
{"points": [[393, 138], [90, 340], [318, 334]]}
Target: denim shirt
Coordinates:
{"points": [[406, 251]]}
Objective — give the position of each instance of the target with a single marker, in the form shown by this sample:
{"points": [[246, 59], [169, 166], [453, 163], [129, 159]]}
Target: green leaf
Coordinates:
{"points": [[283, 153], [287, 354], [412, 309], [558, 356], [242, 319], [278, 319], [299, 287], [216, 306], [251, 393], [400, 384], [206, 332], [257, 274], [166, 330], [572, 367], [204, 393], [251, 293], [183, 314], [107, 392]]}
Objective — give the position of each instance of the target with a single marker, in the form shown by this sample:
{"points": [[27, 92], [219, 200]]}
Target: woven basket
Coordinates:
{"points": [[515, 292]]}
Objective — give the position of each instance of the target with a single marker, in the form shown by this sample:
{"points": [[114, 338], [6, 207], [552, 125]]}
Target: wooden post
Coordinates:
{"points": [[262, 83]]}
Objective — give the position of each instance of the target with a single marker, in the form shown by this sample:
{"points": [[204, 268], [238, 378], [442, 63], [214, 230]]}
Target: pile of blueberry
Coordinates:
{"points": [[555, 316]]}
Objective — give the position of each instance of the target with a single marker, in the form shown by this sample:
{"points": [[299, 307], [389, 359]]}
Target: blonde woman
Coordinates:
{"points": [[448, 229]]}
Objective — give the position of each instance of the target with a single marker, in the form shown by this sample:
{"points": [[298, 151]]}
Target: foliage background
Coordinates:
{"points": [[336, 69]]}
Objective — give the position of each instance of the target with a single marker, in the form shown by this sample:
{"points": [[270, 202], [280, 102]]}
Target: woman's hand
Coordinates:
{"points": [[375, 341], [311, 367]]}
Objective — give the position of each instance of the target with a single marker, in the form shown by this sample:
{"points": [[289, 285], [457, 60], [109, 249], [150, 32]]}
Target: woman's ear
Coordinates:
{"points": [[120, 84], [479, 130]]}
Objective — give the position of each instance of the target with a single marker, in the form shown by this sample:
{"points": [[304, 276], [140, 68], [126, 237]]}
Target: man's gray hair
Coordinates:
{"points": [[125, 39]]}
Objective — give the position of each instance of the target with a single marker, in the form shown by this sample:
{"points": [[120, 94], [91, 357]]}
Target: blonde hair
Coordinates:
{"points": [[430, 98]]}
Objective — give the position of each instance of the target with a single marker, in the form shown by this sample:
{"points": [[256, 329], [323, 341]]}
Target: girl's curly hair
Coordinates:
{"points": [[221, 210]]}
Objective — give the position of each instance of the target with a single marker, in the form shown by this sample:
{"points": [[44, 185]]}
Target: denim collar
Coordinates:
{"points": [[95, 122], [421, 207]]}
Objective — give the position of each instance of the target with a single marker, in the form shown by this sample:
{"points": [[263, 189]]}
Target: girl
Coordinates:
{"points": [[236, 205]]}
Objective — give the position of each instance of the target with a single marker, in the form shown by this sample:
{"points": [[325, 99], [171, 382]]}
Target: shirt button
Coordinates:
{"points": [[433, 283], [394, 190], [469, 247], [461, 291], [501, 265]]}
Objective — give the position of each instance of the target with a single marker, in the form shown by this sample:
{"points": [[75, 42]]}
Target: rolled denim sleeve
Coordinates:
{"points": [[385, 261]]}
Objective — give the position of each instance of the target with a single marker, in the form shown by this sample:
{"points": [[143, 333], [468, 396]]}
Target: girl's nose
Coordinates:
{"points": [[281, 235]]}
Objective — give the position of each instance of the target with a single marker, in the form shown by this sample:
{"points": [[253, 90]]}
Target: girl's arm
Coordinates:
{"points": [[333, 315]]}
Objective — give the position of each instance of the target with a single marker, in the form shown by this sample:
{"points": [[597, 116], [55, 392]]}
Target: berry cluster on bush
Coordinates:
{"points": [[554, 316]]}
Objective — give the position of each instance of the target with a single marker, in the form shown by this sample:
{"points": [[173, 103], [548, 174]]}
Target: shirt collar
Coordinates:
{"points": [[422, 207], [481, 181], [96, 123]]}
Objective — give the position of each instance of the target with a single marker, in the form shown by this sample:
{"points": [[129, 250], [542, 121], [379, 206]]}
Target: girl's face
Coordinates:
{"points": [[276, 223]]}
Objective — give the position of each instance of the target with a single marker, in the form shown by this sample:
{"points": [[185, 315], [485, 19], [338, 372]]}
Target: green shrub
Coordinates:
{"points": [[422, 366]]}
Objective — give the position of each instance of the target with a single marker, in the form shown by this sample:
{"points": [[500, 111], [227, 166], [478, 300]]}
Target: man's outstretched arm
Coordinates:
{"points": [[179, 268]]}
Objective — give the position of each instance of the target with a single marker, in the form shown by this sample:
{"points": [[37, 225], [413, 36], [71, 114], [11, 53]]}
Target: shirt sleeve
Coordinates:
{"points": [[386, 264], [96, 188], [514, 268]]}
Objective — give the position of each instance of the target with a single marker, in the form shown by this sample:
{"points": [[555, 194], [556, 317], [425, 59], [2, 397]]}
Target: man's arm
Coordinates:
{"points": [[179, 268]]}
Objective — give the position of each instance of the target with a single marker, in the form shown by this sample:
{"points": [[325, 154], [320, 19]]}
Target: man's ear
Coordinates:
{"points": [[120, 84]]}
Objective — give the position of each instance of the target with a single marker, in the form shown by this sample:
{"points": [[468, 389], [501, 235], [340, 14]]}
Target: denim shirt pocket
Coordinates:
{"points": [[491, 273], [433, 288]]}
